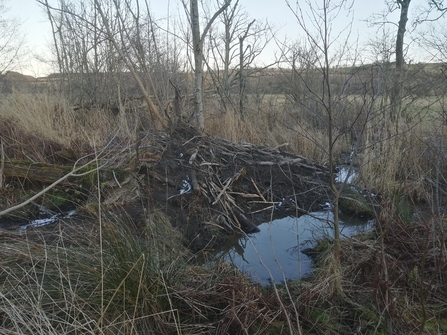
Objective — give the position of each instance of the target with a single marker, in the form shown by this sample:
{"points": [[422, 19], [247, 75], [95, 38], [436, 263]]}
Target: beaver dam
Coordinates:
{"points": [[212, 190]]}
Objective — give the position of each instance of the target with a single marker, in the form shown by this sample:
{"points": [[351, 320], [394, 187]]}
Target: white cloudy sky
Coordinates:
{"points": [[37, 29]]}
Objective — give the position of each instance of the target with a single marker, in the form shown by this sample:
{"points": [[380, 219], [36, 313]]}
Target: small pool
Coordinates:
{"points": [[274, 254]]}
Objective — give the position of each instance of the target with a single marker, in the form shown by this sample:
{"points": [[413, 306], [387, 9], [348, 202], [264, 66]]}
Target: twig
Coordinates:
{"points": [[233, 202], [174, 196], [198, 136], [238, 224], [193, 156], [261, 210], [215, 225], [257, 190], [73, 173], [285, 144], [194, 183], [209, 164], [116, 180], [2, 163], [264, 202], [245, 195], [228, 183]]}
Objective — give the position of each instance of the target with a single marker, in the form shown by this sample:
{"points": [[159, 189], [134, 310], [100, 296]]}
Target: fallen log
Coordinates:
{"points": [[74, 172], [246, 225], [44, 173], [48, 173]]}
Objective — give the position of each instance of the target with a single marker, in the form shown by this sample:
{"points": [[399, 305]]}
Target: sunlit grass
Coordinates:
{"points": [[51, 117]]}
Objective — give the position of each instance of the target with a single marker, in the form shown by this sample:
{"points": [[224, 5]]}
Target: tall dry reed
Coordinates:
{"points": [[51, 117]]}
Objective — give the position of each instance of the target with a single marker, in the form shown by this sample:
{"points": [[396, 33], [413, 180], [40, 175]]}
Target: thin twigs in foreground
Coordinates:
{"points": [[73, 173]]}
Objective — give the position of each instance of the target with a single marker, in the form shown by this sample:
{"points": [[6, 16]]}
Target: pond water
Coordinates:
{"points": [[346, 174], [274, 255], [45, 218]]}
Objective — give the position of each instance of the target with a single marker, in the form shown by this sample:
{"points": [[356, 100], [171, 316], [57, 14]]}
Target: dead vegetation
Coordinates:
{"points": [[123, 268], [209, 187], [151, 284], [212, 183]]}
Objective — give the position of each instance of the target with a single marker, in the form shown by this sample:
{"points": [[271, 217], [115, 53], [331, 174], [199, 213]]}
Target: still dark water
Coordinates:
{"points": [[274, 254]]}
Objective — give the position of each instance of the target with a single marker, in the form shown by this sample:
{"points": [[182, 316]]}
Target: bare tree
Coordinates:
{"points": [[397, 88], [325, 97], [126, 57], [434, 10], [87, 62], [98, 39], [11, 41], [234, 45], [198, 39]]}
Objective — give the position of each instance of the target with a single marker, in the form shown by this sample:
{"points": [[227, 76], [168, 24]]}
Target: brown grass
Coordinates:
{"points": [[150, 286], [409, 163], [271, 125], [402, 163], [52, 118]]}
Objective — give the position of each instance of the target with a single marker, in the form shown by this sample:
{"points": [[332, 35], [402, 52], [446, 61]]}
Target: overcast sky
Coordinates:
{"points": [[37, 29]]}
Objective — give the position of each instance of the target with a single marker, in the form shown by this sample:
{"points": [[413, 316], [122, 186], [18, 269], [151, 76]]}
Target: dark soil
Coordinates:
{"points": [[211, 187]]}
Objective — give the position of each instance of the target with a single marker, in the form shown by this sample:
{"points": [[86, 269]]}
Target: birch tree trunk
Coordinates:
{"points": [[197, 40], [198, 65], [396, 93]]}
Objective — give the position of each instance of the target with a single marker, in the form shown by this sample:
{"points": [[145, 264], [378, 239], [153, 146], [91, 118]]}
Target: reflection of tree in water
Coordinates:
{"points": [[318, 226], [228, 251], [283, 249], [321, 229], [237, 248], [297, 249]]}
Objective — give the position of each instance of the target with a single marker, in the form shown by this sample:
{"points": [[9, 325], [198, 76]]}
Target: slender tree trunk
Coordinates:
{"points": [[197, 41], [226, 74], [54, 30], [241, 77], [198, 64], [328, 102], [396, 93]]}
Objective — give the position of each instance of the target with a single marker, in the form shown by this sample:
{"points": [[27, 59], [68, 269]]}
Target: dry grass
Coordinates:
{"points": [[400, 285], [52, 118], [411, 163], [270, 125], [61, 286], [141, 281]]}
